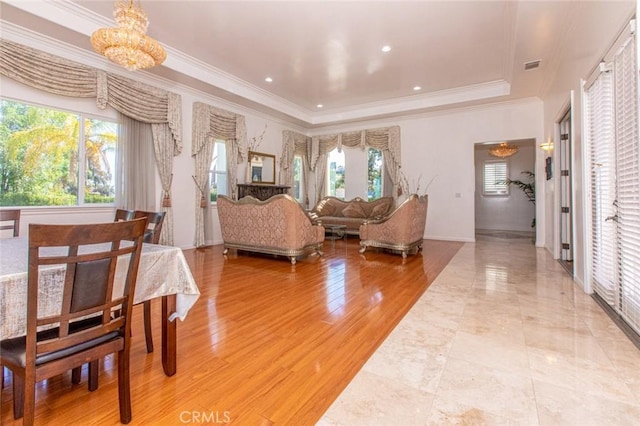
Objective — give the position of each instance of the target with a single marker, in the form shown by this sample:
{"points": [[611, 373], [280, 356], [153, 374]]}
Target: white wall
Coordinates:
{"points": [[440, 146], [512, 212]]}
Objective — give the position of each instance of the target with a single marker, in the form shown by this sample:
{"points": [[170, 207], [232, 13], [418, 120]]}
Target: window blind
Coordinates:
{"points": [[628, 181], [495, 178], [599, 116]]}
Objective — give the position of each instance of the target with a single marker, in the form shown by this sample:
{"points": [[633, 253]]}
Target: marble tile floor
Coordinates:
{"points": [[502, 337]]}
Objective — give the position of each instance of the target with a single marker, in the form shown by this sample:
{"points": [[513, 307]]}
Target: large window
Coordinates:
{"points": [[218, 171], [374, 173], [298, 179], [495, 176], [46, 155], [336, 174]]}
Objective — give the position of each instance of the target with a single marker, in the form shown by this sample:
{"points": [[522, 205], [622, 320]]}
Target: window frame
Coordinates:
{"points": [[382, 173], [212, 172], [496, 191], [81, 150]]}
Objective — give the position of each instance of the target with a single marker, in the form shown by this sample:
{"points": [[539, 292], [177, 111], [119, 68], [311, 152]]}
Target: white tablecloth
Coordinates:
{"points": [[163, 270]]}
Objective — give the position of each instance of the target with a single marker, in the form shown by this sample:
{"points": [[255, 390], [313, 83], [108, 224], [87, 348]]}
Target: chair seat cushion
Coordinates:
{"points": [[14, 350]]}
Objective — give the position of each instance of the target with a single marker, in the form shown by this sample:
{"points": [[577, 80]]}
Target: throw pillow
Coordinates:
{"points": [[325, 208], [353, 210]]}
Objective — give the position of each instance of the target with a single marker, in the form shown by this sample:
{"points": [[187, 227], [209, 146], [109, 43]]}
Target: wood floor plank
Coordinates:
{"points": [[268, 343]]}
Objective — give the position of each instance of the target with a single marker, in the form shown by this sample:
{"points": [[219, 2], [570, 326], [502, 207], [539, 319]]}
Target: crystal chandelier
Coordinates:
{"points": [[128, 45], [503, 150]]}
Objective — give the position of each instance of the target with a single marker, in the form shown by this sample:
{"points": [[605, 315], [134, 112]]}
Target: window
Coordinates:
{"points": [[374, 173], [298, 179], [44, 152], [495, 178], [335, 174], [218, 171]]}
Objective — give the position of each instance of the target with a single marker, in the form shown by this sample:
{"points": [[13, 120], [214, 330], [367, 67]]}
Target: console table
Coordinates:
{"points": [[261, 192]]}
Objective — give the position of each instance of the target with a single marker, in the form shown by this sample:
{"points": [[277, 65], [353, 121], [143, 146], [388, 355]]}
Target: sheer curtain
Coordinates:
{"points": [[211, 124], [135, 165]]}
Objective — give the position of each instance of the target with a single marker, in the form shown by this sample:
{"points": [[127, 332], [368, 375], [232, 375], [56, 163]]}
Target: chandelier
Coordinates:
{"points": [[503, 150], [128, 45]]}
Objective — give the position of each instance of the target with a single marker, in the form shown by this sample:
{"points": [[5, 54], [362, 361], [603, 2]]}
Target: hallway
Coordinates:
{"points": [[502, 336]]}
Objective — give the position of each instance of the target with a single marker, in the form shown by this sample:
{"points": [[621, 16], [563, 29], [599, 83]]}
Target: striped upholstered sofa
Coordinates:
{"points": [[278, 225]]}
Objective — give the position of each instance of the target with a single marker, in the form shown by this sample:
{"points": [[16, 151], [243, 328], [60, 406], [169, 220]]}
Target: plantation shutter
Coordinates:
{"points": [[600, 133], [628, 181], [495, 178]]}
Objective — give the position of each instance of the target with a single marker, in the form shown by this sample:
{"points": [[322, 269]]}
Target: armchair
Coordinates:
{"points": [[402, 230]]}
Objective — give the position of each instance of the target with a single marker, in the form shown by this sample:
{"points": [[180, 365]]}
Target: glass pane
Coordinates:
{"points": [[336, 175], [100, 153], [374, 174], [218, 172], [38, 156], [297, 178]]}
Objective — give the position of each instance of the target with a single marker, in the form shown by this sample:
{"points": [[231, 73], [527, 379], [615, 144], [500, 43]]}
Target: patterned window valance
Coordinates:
{"points": [[60, 76]]}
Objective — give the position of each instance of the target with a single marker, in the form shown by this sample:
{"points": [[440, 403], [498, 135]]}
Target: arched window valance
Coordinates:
{"points": [[139, 101]]}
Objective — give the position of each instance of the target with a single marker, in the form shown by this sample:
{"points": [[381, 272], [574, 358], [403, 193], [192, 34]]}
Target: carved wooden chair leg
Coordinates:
{"points": [[147, 325]]}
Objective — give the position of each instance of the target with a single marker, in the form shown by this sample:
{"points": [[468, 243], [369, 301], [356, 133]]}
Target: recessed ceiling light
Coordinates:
{"points": [[386, 49], [416, 88], [268, 80], [319, 105]]}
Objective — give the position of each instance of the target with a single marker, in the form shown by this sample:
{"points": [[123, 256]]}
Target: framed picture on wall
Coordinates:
{"points": [[548, 168]]}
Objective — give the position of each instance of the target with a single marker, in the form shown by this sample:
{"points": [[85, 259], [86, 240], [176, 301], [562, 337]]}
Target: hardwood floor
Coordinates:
{"points": [[266, 343]]}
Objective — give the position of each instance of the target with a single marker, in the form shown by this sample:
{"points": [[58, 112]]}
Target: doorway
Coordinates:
{"points": [[505, 209]]}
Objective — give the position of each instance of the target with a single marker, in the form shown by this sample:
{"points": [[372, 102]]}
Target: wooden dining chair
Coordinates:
{"points": [[151, 236], [10, 219], [122, 214], [93, 317]]}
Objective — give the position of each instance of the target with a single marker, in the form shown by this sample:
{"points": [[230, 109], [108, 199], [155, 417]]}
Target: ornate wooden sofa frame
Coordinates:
{"points": [[353, 213], [402, 230], [277, 226]]}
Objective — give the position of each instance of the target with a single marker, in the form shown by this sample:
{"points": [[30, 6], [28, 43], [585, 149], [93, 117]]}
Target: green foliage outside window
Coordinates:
{"points": [[374, 174], [39, 157]]}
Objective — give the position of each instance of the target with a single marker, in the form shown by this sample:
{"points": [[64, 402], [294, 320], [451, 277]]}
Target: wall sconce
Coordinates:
{"points": [[547, 146]]}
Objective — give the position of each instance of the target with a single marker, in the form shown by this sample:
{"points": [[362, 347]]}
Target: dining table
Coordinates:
{"points": [[163, 273]]}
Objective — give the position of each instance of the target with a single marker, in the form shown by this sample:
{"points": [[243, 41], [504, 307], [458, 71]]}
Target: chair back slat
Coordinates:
{"points": [[122, 214]]}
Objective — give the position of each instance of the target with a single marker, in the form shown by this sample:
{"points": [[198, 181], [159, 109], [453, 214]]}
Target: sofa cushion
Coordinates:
{"points": [[326, 207]]}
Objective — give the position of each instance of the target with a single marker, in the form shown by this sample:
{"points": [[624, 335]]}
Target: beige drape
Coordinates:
{"points": [[136, 100], [386, 139], [293, 144], [211, 124]]}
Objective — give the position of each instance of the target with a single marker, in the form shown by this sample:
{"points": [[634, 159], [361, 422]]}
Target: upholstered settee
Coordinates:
{"points": [[401, 231], [278, 225], [334, 211]]}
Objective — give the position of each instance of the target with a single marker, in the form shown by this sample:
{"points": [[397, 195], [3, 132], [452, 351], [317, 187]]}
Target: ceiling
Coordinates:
{"points": [[459, 52]]}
